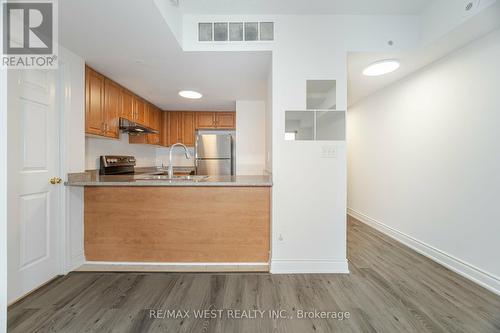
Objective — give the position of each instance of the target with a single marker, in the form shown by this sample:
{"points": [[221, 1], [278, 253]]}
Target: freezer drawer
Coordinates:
{"points": [[213, 146], [213, 167]]}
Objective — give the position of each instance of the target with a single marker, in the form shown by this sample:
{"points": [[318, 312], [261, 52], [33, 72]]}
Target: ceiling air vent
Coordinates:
{"points": [[235, 31]]}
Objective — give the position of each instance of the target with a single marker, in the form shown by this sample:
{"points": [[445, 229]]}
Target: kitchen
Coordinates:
{"points": [[201, 215], [316, 158]]}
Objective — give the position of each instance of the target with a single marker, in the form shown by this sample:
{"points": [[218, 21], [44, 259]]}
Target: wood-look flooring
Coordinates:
{"points": [[390, 288]]}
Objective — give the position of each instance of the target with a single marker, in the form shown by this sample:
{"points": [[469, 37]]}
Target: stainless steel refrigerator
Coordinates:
{"points": [[215, 153]]}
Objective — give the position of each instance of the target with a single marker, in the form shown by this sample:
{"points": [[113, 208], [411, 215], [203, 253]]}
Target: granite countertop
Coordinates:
{"points": [[92, 178]]}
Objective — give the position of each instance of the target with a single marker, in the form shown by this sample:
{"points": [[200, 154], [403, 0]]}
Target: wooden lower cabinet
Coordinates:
{"points": [[177, 224]]}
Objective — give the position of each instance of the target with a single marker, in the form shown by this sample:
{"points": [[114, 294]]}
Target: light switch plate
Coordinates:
{"points": [[328, 152]]}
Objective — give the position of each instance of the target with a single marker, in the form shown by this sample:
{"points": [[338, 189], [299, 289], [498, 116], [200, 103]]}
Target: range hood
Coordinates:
{"points": [[132, 128]]}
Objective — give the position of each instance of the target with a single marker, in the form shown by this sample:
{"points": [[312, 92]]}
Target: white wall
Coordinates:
{"points": [[269, 122], [309, 193], [250, 137], [424, 162], [95, 147]]}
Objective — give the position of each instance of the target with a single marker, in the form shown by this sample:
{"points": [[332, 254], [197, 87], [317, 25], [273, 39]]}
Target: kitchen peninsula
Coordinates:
{"points": [[219, 219]]}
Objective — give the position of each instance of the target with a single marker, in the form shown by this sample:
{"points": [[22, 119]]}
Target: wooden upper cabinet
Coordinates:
{"points": [[174, 127], [139, 110], [181, 126], [106, 101], [226, 120], [151, 116], [94, 102], [154, 123], [188, 128], [112, 108], [164, 129], [205, 119], [127, 109], [215, 120]]}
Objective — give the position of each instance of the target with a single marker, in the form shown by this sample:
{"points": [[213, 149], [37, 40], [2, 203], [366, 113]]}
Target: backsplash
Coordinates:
{"points": [[146, 155], [178, 157], [95, 147]]}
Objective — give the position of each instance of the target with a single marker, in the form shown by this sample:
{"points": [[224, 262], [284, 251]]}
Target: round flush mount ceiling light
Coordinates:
{"points": [[381, 67], [190, 94]]}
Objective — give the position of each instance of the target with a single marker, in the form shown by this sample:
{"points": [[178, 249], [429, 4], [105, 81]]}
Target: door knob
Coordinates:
{"points": [[55, 180]]}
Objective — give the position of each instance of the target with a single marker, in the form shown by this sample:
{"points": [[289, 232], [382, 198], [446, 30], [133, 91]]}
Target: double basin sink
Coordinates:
{"points": [[163, 175]]}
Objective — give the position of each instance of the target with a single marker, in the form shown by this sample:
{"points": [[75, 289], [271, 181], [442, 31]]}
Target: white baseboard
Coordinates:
{"points": [[308, 266], [110, 266], [466, 270], [74, 262]]}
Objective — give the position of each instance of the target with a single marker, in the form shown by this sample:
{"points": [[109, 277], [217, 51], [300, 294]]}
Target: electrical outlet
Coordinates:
{"points": [[328, 152]]}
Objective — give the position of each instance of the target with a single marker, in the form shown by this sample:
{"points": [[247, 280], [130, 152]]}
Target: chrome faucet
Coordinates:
{"points": [[170, 170]]}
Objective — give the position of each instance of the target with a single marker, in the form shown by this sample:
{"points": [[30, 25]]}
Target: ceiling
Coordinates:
{"points": [[137, 49], [412, 60], [262, 7]]}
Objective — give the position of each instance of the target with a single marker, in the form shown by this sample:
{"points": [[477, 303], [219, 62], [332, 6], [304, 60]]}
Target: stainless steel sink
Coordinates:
{"points": [[162, 176]]}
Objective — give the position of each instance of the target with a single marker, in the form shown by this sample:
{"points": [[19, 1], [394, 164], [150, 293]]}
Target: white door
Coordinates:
{"points": [[33, 202]]}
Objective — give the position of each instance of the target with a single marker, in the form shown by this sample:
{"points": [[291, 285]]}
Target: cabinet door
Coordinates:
{"points": [[157, 119], [188, 128], [149, 115], [94, 102], [127, 109], [174, 127], [205, 120], [164, 129], [154, 123], [111, 109], [226, 120], [139, 110]]}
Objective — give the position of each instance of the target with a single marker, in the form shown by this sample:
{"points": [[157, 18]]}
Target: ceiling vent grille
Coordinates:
{"points": [[235, 31]]}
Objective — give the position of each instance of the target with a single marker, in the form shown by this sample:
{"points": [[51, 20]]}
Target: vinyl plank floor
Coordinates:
{"points": [[390, 288]]}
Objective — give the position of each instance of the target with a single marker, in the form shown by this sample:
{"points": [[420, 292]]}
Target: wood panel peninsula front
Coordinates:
{"points": [[225, 219]]}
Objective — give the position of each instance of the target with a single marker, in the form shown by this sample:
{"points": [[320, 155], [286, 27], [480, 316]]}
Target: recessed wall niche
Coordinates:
{"points": [[321, 94], [320, 121]]}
